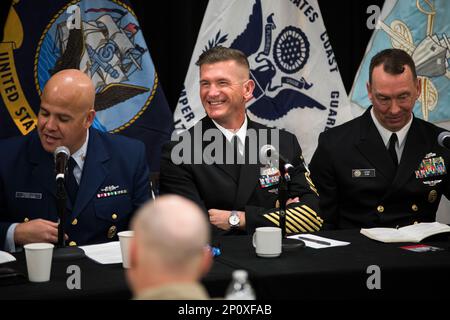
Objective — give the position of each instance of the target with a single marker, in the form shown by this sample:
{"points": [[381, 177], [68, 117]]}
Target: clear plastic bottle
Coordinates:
{"points": [[240, 288]]}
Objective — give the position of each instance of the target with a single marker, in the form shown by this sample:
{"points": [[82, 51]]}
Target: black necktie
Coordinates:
{"points": [[236, 156], [392, 140], [71, 182]]}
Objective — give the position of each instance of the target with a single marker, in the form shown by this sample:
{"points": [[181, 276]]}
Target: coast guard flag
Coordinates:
{"points": [[298, 85], [101, 38], [420, 28]]}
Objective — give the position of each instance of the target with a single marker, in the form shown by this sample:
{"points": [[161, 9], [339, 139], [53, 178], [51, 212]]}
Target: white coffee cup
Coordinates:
{"points": [[267, 241], [39, 261], [124, 238]]}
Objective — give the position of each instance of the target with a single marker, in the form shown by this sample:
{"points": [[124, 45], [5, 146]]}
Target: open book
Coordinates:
{"points": [[412, 233]]}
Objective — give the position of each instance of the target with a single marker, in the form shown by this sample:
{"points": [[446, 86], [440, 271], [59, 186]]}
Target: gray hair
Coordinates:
{"points": [[174, 228]]}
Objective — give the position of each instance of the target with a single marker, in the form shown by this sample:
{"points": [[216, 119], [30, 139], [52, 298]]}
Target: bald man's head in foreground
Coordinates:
{"points": [[170, 244], [67, 110]]}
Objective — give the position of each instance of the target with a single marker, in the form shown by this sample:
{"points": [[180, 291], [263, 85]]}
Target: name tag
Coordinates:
{"points": [[363, 173], [28, 195]]}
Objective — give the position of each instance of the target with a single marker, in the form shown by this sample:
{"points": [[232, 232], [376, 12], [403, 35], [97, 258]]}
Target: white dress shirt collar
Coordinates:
{"points": [[386, 134], [80, 155], [241, 133]]}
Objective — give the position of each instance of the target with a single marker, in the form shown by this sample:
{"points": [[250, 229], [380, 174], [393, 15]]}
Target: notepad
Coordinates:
{"points": [[413, 233]]}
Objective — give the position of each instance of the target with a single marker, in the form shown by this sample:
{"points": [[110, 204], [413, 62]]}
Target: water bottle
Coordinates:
{"points": [[240, 288]]}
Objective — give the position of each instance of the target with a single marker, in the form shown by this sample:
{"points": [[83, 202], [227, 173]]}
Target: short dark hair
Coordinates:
{"points": [[219, 54], [393, 61]]}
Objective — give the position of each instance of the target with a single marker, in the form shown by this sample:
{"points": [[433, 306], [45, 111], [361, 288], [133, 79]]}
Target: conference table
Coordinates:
{"points": [[364, 269]]}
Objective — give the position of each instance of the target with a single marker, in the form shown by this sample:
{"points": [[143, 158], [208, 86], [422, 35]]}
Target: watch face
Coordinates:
{"points": [[233, 220]]}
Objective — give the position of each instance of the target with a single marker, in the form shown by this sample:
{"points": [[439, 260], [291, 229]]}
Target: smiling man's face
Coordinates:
{"points": [[224, 89]]}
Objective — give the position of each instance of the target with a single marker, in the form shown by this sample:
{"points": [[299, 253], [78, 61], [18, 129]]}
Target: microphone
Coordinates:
{"points": [[268, 153], [444, 139], [62, 155]]}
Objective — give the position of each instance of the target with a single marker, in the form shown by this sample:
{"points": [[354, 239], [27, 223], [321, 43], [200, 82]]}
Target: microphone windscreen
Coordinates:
{"points": [[267, 152], [61, 149], [443, 139]]}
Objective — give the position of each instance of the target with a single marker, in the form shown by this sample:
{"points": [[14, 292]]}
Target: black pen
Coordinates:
{"points": [[325, 243]]}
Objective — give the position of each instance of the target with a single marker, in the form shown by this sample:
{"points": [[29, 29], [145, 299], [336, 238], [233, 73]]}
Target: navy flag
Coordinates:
{"points": [[101, 38], [420, 28]]}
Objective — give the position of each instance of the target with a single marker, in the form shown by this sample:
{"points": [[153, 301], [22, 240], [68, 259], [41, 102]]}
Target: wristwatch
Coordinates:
{"points": [[234, 219]]}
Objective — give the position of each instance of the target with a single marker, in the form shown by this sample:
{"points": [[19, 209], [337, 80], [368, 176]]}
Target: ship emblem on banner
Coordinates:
{"points": [[113, 54]]}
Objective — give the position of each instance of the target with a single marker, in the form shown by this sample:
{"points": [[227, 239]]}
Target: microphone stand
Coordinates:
{"points": [[61, 198], [62, 252], [282, 198], [283, 189]]}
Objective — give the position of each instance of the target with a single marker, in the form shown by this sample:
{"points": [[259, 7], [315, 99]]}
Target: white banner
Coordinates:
{"points": [[298, 84]]}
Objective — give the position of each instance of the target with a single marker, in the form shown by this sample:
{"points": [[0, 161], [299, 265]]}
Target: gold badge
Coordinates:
{"points": [[112, 232], [432, 196]]}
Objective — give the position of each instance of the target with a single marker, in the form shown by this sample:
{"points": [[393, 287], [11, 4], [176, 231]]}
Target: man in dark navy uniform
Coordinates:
{"points": [[238, 195], [384, 168]]}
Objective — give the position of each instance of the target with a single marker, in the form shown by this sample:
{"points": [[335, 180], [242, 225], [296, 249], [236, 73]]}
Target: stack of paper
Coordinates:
{"points": [[104, 253], [6, 257]]}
